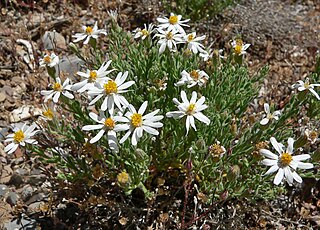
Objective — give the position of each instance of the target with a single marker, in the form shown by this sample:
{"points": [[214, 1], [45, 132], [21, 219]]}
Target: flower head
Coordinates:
{"points": [[49, 60], [269, 116], [193, 42], [57, 89], [137, 123], [106, 125], [168, 39], [195, 77], [173, 23], [144, 33], [192, 109], [284, 162], [112, 90], [92, 78], [123, 178], [212, 54], [89, 32], [217, 150], [302, 86], [22, 135], [239, 47]]}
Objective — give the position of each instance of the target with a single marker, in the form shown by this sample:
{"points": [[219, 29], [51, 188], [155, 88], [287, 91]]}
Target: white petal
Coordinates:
{"points": [[269, 162], [150, 130], [10, 148], [301, 157], [193, 97], [68, 95], [125, 137], [272, 169], [290, 145], [92, 127], [268, 153], [187, 124], [302, 165], [143, 107], [314, 93], [56, 97], [202, 118], [288, 175], [279, 176], [126, 85], [277, 146], [264, 121], [296, 177], [98, 136], [184, 97], [191, 119]]}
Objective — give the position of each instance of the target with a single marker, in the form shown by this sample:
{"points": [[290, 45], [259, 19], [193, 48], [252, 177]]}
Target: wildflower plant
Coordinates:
{"points": [[148, 91]]}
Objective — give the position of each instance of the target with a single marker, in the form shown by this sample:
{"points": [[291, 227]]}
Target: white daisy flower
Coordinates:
{"points": [[89, 32], [269, 116], [239, 47], [112, 90], [49, 60], [22, 135], [168, 39], [173, 23], [209, 55], [144, 33], [106, 125], [302, 86], [285, 164], [92, 77], [57, 90], [137, 123], [193, 42], [192, 109], [195, 77]]}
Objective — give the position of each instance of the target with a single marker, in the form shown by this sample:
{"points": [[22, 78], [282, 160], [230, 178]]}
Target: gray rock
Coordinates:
{"points": [[3, 190], [34, 207], [16, 180], [35, 171], [53, 40], [2, 97], [23, 113], [12, 198], [36, 198], [26, 192], [23, 223], [70, 65], [37, 179], [21, 171]]}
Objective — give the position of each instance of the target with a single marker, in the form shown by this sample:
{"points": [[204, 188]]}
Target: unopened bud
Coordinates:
{"points": [[224, 195]]}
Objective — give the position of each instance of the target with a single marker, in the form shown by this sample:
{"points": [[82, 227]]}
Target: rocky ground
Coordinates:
{"points": [[283, 34]]}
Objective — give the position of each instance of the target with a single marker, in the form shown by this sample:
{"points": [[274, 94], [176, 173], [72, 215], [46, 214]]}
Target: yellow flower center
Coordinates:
{"points": [[48, 114], [285, 159], [111, 87], [191, 109], [89, 30], [18, 136], [190, 37], [269, 116], [173, 19], [194, 74], [136, 120], [313, 135], [123, 177], [169, 36], [93, 76], [238, 49], [145, 32], [57, 86], [47, 59], [306, 84], [109, 122]]}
